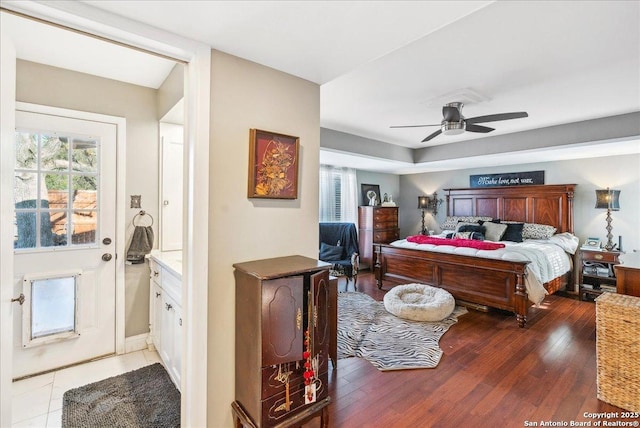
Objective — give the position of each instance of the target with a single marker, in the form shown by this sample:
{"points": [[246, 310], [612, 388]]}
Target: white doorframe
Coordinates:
{"points": [[7, 161], [121, 168], [195, 259]]}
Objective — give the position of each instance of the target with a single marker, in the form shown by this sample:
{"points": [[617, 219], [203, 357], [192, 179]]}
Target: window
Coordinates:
{"points": [[338, 194], [56, 182]]}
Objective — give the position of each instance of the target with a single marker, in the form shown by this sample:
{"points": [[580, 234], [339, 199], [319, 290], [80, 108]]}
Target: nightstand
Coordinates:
{"points": [[596, 274]]}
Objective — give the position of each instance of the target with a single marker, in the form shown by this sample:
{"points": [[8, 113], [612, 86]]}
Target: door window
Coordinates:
{"points": [[51, 313], [56, 190]]}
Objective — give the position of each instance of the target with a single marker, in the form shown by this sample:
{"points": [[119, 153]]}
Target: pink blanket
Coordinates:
{"points": [[479, 245]]}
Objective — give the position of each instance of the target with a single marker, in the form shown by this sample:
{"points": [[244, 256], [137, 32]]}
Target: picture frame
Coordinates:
{"points": [[273, 165], [368, 190]]}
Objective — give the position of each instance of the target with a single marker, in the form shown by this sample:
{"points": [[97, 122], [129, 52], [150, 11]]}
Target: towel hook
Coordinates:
{"points": [[142, 213]]}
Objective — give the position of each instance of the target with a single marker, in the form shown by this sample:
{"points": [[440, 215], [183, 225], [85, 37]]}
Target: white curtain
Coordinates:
{"points": [[338, 194]]}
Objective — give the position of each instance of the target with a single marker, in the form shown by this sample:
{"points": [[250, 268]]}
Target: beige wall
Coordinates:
{"points": [[41, 84], [246, 95]]}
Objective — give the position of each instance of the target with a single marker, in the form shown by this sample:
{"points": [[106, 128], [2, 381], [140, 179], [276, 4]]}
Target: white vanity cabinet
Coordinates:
{"points": [[165, 314]]}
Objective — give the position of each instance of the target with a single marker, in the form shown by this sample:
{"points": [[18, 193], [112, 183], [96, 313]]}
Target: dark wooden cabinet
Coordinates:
{"points": [[628, 274], [596, 274], [376, 225], [277, 301]]}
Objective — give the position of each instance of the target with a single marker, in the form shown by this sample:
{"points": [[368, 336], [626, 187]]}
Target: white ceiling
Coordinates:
{"points": [[61, 48], [383, 63]]}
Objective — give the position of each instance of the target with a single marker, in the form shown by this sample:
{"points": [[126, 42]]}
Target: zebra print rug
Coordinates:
{"points": [[367, 330]]}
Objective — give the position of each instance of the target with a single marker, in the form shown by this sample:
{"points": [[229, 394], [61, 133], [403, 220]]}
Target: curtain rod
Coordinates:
{"points": [[94, 36]]}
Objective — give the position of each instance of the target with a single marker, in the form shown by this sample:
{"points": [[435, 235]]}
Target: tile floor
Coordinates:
{"points": [[37, 401]]}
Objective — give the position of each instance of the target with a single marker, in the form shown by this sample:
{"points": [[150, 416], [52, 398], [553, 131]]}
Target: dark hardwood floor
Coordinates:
{"points": [[492, 374]]}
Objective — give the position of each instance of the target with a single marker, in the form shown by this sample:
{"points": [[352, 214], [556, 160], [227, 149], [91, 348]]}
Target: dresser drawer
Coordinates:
{"points": [[385, 236], [384, 224], [385, 215], [600, 256]]}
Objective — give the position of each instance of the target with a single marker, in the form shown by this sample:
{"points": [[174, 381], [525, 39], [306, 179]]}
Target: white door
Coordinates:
{"points": [[64, 241], [171, 136]]}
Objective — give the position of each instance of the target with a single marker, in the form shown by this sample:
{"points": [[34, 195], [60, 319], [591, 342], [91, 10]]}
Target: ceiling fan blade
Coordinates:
{"points": [[497, 117], [478, 128], [451, 114], [435, 134], [411, 126]]}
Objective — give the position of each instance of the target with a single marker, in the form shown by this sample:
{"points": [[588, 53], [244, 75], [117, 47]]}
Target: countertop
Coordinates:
{"points": [[171, 260], [630, 260]]}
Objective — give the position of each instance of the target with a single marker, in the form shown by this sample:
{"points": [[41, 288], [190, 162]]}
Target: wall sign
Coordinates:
{"points": [[507, 179]]}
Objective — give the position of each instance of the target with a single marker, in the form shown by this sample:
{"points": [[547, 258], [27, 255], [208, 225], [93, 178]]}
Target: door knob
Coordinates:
{"points": [[106, 241], [19, 299], [106, 257]]}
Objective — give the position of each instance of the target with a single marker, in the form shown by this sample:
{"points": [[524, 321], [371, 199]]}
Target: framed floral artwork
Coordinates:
{"points": [[273, 165]]}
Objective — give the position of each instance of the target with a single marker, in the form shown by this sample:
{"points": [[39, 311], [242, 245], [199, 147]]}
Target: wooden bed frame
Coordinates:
{"points": [[481, 281]]}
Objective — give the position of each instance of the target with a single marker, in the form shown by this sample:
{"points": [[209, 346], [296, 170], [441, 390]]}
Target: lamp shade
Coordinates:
{"points": [[608, 199], [423, 202]]}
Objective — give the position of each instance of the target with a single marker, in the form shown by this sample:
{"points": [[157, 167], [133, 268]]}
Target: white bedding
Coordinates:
{"points": [[548, 258]]}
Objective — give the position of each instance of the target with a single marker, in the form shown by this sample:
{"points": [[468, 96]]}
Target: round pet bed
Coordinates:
{"points": [[419, 302]]}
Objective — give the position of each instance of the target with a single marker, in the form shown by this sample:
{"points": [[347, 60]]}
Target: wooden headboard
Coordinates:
{"points": [[545, 204]]}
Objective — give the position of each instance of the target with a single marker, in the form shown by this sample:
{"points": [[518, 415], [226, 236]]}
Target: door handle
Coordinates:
{"points": [[106, 257], [19, 299]]}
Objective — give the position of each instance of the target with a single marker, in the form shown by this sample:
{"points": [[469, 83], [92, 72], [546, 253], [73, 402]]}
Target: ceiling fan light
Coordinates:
{"points": [[453, 128]]}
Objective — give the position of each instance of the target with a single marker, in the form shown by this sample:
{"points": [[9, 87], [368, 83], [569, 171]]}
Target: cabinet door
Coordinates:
{"points": [[156, 320], [167, 325], [176, 367], [320, 316], [282, 320]]}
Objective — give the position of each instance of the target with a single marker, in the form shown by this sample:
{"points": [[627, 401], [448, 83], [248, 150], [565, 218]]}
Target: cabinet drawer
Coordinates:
{"points": [[172, 285], [600, 256], [384, 236], [272, 386], [273, 408], [155, 272]]}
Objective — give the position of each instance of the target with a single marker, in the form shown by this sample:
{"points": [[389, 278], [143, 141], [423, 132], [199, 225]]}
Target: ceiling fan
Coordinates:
{"points": [[454, 122]]}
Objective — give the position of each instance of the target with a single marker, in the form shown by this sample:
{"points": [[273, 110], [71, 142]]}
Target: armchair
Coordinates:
{"points": [[339, 246]]}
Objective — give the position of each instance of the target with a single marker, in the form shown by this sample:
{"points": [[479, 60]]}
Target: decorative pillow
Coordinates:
{"points": [[494, 231], [451, 222], [469, 235], [330, 253], [513, 232], [537, 231], [470, 227]]}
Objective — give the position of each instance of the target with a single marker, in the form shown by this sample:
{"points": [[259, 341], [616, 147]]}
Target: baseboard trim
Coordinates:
{"points": [[135, 343]]}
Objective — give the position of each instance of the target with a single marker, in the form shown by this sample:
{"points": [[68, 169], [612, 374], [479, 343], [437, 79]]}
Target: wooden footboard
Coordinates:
{"points": [[495, 283]]}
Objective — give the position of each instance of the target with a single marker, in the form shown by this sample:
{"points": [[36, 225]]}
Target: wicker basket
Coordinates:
{"points": [[618, 350]]}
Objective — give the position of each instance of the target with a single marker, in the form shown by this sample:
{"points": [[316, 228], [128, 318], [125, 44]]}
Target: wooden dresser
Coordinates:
{"points": [[628, 274], [278, 301], [376, 225]]}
